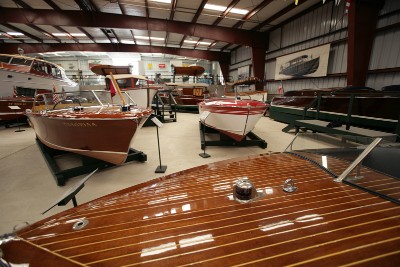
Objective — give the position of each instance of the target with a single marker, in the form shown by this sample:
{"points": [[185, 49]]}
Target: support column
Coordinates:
{"points": [[362, 19], [225, 70], [258, 58]]}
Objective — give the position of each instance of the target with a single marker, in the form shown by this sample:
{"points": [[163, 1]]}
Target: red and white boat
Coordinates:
{"points": [[84, 123], [22, 77], [232, 117]]}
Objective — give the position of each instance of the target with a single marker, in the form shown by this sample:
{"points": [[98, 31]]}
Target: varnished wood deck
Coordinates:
{"points": [[189, 218]]}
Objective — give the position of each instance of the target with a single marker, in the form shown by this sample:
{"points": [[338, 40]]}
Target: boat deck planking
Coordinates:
{"points": [[188, 218]]}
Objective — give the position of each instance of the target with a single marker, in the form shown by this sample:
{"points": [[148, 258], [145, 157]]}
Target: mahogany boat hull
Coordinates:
{"points": [[13, 108], [191, 218], [234, 118], [189, 71], [105, 137]]}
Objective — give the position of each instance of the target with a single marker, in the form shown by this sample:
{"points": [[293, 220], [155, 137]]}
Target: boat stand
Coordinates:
{"points": [[54, 160], [251, 139]]}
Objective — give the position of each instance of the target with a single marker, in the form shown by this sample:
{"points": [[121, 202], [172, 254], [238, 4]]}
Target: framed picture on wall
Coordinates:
{"points": [[306, 63]]}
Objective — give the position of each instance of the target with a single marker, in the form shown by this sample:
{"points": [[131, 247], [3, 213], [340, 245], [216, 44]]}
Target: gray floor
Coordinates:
{"points": [[28, 188]]}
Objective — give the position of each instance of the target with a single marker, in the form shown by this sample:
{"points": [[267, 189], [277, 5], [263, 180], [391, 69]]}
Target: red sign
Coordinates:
{"points": [[161, 66]]}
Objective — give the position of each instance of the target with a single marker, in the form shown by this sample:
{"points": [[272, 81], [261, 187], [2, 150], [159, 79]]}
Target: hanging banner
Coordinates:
{"points": [[307, 63]]}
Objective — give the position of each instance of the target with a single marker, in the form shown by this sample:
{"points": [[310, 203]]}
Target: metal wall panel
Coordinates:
{"points": [[386, 50], [379, 80], [328, 24]]}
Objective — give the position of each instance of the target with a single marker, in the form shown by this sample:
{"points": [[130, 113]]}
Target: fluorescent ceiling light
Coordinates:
{"points": [[190, 42], [204, 43], [78, 34], [157, 38], [223, 8], [147, 38], [127, 41], [15, 33], [162, 1], [195, 42], [59, 34]]}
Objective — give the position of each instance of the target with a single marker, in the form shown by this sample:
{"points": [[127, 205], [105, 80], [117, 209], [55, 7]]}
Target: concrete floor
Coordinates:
{"points": [[27, 187]]}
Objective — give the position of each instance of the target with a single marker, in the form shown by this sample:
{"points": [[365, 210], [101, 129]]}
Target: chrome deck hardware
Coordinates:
{"points": [[80, 224], [289, 186]]}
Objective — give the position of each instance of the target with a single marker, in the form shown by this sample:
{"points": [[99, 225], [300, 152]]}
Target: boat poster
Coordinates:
{"points": [[306, 63]]}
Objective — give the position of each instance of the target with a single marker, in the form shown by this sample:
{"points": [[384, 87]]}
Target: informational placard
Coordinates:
{"points": [[14, 107], [157, 122]]}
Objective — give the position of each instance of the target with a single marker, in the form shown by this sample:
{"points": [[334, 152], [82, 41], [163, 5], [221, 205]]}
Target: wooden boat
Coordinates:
{"points": [[84, 123], [105, 70], [275, 209], [22, 77], [187, 95], [363, 106], [136, 86], [188, 71], [300, 66], [232, 117]]}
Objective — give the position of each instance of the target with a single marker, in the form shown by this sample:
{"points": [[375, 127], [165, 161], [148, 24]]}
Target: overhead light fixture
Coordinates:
{"points": [[15, 33], [223, 8], [127, 41], [77, 34], [204, 43], [162, 1], [157, 38], [59, 34], [195, 42], [190, 42], [151, 38]]}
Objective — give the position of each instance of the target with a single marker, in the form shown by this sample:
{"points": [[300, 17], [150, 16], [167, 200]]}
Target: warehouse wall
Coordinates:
{"points": [[324, 25]]}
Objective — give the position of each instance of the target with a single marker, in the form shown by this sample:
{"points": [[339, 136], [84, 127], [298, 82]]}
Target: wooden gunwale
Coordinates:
{"points": [[235, 228]]}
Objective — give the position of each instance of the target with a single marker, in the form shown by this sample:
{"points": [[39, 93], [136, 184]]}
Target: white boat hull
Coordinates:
{"points": [[10, 79], [233, 118]]}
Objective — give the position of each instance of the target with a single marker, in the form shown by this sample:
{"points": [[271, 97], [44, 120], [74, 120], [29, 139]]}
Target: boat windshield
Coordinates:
{"points": [[366, 163], [63, 100]]}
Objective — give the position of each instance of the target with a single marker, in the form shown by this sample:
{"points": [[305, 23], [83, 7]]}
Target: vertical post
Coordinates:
{"points": [[160, 168]]}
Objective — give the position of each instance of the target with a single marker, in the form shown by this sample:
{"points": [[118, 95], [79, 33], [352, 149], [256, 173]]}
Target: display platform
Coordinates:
{"points": [[55, 160], [216, 138]]}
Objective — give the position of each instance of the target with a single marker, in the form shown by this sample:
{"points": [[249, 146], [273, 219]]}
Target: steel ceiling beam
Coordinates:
{"points": [[252, 13], [24, 32], [278, 14], [221, 57], [108, 20]]}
